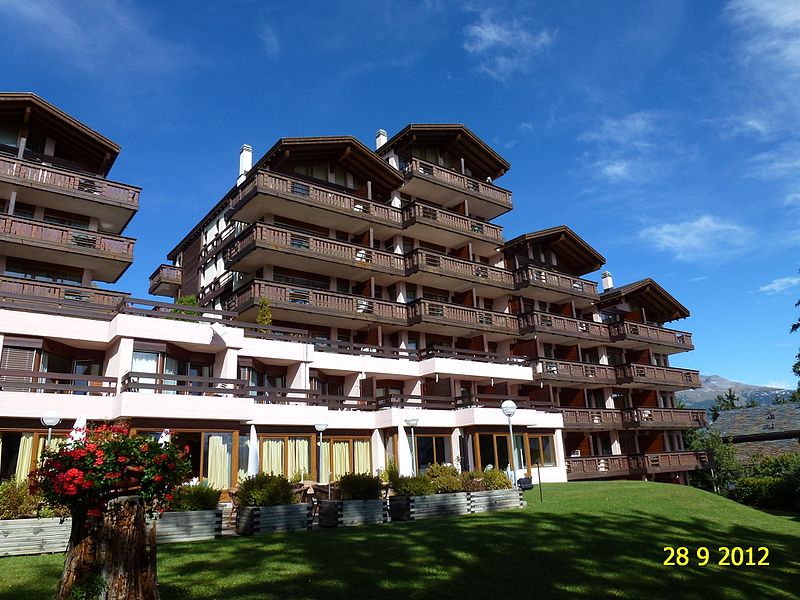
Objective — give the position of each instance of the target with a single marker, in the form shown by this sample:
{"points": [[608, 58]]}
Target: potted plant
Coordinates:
{"points": [[360, 504], [266, 503], [25, 526], [194, 515], [490, 490], [437, 493]]}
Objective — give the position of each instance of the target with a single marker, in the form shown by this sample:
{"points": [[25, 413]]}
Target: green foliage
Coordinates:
{"points": [[190, 300], [730, 401], [445, 478], [770, 482], [473, 481], [413, 486], [359, 486], [91, 587], [264, 316], [725, 471], [496, 480], [17, 502], [391, 473], [762, 492], [265, 490], [195, 497]]}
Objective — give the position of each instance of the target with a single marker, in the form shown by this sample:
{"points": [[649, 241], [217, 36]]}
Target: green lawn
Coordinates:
{"points": [[586, 540]]}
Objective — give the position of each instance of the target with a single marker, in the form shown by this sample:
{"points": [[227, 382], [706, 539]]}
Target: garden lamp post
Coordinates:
{"points": [[50, 420], [413, 423], [509, 408], [320, 427]]}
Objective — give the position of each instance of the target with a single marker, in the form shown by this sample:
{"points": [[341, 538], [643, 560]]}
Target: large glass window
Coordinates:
{"points": [[432, 449], [217, 449], [493, 449]]}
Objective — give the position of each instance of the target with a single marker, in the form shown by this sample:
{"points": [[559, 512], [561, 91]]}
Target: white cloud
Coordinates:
{"points": [[636, 129], [704, 238], [269, 41], [773, 32], [504, 47], [781, 163], [781, 284], [781, 385]]}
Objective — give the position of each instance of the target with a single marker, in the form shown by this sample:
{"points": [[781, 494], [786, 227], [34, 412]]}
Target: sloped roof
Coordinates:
{"points": [[581, 256], [661, 306], [779, 421]]}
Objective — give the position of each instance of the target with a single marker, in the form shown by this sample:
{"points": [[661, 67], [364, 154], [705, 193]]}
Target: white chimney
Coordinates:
{"points": [[381, 138], [606, 280], [245, 162]]}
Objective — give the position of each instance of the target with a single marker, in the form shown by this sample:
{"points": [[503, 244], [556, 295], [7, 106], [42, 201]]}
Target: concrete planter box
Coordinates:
{"points": [[266, 519], [33, 536], [413, 508], [189, 526], [495, 500], [344, 513]]}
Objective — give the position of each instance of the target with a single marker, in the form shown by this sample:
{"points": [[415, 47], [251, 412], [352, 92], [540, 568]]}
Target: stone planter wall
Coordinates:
{"points": [[344, 513], [413, 508], [266, 519], [33, 536], [189, 526]]}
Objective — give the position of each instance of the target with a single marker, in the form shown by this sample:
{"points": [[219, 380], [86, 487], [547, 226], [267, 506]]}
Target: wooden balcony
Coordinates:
{"points": [[635, 375], [106, 254], [472, 355], [495, 400], [454, 319], [166, 280], [33, 382], [591, 418], [53, 298], [450, 227], [558, 372], [431, 266], [262, 244], [598, 467], [664, 418], [639, 335], [554, 287], [485, 199], [563, 330], [670, 462]]}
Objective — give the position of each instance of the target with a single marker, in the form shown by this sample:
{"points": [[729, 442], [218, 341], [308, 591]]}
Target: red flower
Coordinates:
{"points": [[122, 459], [168, 497], [158, 478], [94, 512]]}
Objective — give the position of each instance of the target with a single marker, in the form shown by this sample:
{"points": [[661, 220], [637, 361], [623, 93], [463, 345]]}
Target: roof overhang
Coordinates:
{"points": [[660, 305], [581, 257]]}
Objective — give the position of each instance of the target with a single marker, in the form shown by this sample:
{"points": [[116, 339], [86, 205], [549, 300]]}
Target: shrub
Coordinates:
{"points": [[195, 497], [16, 501], [771, 482], [413, 486], [473, 482], [496, 480], [265, 490], [445, 478], [763, 492], [391, 473], [359, 486]]}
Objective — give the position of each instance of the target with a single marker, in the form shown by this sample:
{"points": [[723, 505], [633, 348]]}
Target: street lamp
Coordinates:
{"points": [[413, 423], [50, 420], [320, 427], [509, 408]]}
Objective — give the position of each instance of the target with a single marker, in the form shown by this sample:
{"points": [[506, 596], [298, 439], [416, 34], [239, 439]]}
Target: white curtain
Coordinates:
{"points": [[54, 443], [218, 460], [272, 456], [325, 462], [362, 462], [299, 455], [145, 362], [24, 456], [170, 368], [341, 458]]}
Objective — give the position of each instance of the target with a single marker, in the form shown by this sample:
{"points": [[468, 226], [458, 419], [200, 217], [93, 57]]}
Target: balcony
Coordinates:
{"points": [[32, 382], [446, 186], [597, 467], [496, 400], [450, 227], [634, 375], [262, 244], [315, 306], [428, 267], [113, 203], [670, 462], [554, 287], [567, 373], [471, 355], [53, 298], [664, 418], [268, 192], [166, 280], [563, 330], [453, 319], [591, 418], [639, 335]]}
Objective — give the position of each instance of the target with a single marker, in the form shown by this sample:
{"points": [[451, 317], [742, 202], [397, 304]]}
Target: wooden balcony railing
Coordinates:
{"points": [[166, 279], [415, 212], [592, 467], [591, 418], [55, 291], [660, 462], [425, 260], [356, 348], [485, 190], [166, 383], [13, 380], [561, 370], [61, 180], [538, 277], [261, 234], [649, 374], [650, 334], [407, 400], [495, 400], [598, 466], [461, 316], [67, 238], [539, 322], [664, 418], [474, 355]]}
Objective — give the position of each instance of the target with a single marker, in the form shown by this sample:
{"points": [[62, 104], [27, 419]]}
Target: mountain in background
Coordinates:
{"points": [[714, 385]]}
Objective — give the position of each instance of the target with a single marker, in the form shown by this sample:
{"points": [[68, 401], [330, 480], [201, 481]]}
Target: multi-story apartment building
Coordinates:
{"points": [[401, 319]]}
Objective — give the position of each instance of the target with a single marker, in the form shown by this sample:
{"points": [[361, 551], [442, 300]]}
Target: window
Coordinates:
{"points": [[289, 456], [317, 170], [494, 449], [340, 456], [432, 449], [429, 154], [58, 217], [29, 269], [26, 211]]}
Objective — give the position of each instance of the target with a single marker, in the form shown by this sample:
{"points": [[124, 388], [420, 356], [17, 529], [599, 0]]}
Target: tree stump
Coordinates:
{"points": [[112, 557]]}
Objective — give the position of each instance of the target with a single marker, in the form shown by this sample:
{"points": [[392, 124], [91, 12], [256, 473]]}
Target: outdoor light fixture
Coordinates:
{"points": [[320, 427], [413, 423], [50, 420], [509, 408]]}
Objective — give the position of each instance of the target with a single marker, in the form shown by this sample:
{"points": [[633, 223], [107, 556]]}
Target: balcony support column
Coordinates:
{"points": [[120, 359], [12, 202], [403, 455], [455, 447], [616, 447], [378, 453], [226, 365]]}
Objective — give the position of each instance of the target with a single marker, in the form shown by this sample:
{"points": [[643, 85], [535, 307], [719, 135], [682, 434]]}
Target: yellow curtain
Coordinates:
{"points": [[341, 459], [299, 458], [54, 443], [272, 456], [219, 462], [325, 463], [24, 456], [362, 456]]}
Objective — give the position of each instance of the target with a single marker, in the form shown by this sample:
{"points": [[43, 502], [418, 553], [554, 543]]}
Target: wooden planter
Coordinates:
{"points": [[33, 536], [412, 508], [495, 500], [189, 526], [266, 519], [344, 513]]}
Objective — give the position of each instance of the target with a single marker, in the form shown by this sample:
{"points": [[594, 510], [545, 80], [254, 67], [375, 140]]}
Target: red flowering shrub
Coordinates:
{"points": [[108, 462]]}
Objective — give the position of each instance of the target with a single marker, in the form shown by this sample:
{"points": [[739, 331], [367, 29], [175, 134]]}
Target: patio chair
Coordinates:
{"points": [[234, 505], [525, 483]]}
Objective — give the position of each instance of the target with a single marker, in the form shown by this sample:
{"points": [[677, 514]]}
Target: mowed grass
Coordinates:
{"points": [[586, 540]]}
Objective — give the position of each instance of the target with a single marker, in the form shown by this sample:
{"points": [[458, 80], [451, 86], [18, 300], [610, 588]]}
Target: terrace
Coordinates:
{"points": [[561, 371], [639, 335], [636, 375], [556, 328]]}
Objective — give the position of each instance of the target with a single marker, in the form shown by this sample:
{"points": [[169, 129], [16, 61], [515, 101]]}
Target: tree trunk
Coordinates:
{"points": [[114, 559]]}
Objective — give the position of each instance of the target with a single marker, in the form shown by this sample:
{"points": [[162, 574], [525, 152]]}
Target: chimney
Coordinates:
{"points": [[381, 138], [245, 162], [607, 281]]}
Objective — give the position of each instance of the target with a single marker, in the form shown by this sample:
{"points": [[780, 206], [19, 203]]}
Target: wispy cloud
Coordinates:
{"points": [[704, 238], [95, 36], [782, 284], [504, 46], [269, 41], [783, 162]]}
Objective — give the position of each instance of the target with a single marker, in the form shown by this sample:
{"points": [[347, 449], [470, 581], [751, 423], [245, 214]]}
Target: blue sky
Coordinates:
{"points": [[667, 134]]}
